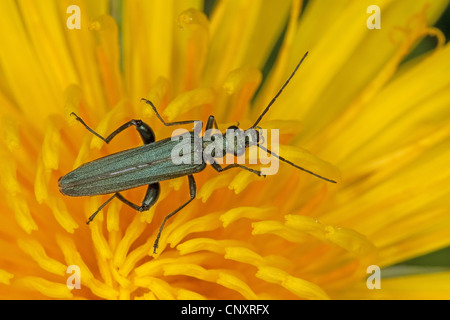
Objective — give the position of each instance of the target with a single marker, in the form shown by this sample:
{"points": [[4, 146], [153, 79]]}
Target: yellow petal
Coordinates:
{"points": [[155, 266], [73, 257], [5, 277], [48, 288], [242, 180], [112, 221], [22, 213], [239, 87], [300, 287], [350, 240], [190, 270], [184, 294], [279, 229], [134, 230], [247, 31], [231, 282], [62, 215], [160, 288], [134, 257], [51, 143], [214, 183], [212, 245], [205, 223], [102, 290], [99, 241], [142, 67], [187, 101], [106, 29], [10, 132], [434, 286], [191, 41], [8, 178], [38, 254], [254, 213]]}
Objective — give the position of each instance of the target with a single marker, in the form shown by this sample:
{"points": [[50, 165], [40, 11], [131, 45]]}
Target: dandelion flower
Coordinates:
{"points": [[353, 105]]}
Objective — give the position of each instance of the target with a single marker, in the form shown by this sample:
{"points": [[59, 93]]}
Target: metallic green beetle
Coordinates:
{"points": [[151, 163]]}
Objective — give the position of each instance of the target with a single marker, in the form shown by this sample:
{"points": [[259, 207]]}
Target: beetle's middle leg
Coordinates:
{"points": [[146, 133], [151, 196]]}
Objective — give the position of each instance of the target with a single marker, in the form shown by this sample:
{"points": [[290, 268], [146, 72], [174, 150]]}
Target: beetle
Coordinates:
{"points": [[151, 163]]}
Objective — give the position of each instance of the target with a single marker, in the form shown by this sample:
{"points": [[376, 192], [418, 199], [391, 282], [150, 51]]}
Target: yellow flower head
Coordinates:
{"points": [[354, 112]]}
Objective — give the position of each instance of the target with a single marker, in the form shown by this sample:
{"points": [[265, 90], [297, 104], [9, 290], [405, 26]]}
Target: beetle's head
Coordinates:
{"points": [[237, 140]]}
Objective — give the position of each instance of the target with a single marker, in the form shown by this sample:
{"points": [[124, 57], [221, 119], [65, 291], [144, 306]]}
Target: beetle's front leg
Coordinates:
{"points": [[218, 168], [212, 123]]}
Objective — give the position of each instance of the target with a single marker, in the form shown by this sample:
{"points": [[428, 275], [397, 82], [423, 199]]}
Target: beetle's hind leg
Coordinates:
{"points": [[146, 133], [151, 196], [150, 199], [192, 192], [100, 208]]}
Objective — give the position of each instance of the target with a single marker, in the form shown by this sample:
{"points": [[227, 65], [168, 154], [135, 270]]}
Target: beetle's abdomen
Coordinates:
{"points": [[125, 170]]}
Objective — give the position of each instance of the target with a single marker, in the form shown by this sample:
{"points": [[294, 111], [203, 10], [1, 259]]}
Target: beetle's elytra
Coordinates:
{"points": [[151, 163]]}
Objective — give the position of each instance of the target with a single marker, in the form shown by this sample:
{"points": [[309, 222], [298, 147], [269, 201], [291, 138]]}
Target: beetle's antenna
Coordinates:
{"points": [[279, 92], [294, 165]]}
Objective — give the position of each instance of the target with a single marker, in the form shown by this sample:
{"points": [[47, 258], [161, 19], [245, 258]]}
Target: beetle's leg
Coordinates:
{"points": [[218, 168], [212, 123], [150, 198], [162, 120], [193, 192], [144, 130], [100, 208]]}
